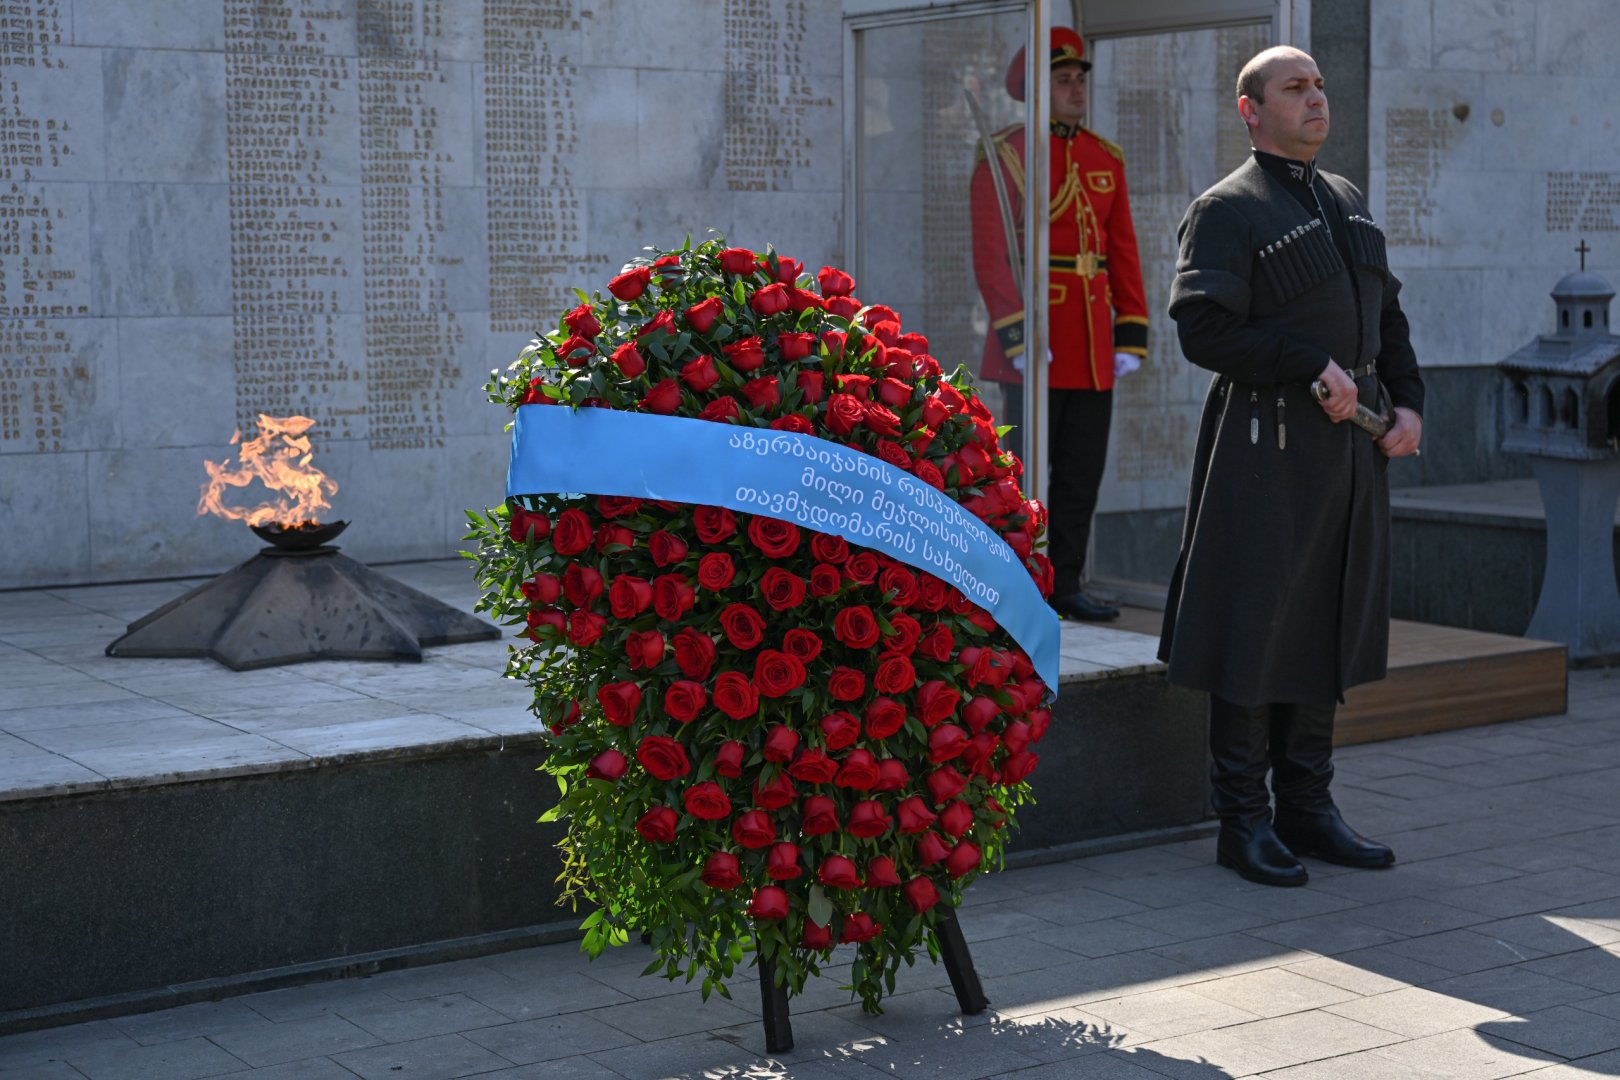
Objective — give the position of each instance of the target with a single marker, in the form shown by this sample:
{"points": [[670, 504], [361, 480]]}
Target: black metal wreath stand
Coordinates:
{"points": [[953, 949]]}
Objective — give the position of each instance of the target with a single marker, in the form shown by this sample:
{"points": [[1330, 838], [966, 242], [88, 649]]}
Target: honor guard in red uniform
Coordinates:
{"points": [[1098, 311]]}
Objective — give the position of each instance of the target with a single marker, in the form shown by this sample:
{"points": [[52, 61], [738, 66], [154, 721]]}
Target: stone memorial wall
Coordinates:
{"points": [[352, 210]]}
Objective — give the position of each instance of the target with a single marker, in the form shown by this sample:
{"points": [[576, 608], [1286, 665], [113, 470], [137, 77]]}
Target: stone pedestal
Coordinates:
{"points": [[1580, 604]]}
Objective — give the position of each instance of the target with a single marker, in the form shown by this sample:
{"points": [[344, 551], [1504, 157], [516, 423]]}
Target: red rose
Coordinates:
{"points": [[782, 862], [956, 818], [699, 373], [629, 361], [859, 928], [576, 351], [754, 829], [666, 548], [619, 702], [631, 284], [952, 398], [609, 765], [914, 816], [745, 355], [795, 347], [930, 592], [629, 596], [780, 743], [892, 775], [664, 398], [895, 675], [714, 523], [867, 819], [782, 590], [735, 696], [771, 300], [728, 760], [707, 801], [829, 548], [936, 701], [891, 452], [979, 750], [715, 571], [963, 859], [859, 386], [838, 872], [775, 795], [859, 771], [880, 420], [946, 742], [938, 643], [658, 825], [787, 270], [582, 321], [777, 539], [610, 535], [893, 393], [644, 649], [931, 849], [701, 316], [903, 642], [544, 589], [738, 261], [616, 506], [844, 413], [810, 385], [770, 902], [880, 873], [548, 617], [802, 643], [793, 422], [1018, 766], [920, 894], [902, 583], [840, 730], [846, 684], [684, 701], [573, 533], [721, 871], [672, 596], [945, 783], [929, 474], [825, 580], [1016, 736], [816, 938], [856, 627], [1039, 721], [979, 712], [694, 653], [845, 307], [664, 758], [820, 816], [813, 767], [861, 567], [585, 628], [527, 526], [743, 626], [884, 717], [834, 282], [762, 393]]}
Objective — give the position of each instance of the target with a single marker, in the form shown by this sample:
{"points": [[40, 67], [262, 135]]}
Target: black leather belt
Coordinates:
{"points": [[1363, 372]]}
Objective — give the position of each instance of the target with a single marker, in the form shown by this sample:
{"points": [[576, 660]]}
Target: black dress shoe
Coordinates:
{"points": [[1323, 834], [1077, 605], [1254, 851]]}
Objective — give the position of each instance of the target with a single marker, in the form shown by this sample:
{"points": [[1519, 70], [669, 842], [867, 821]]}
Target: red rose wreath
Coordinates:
{"points": [[765, 738]]}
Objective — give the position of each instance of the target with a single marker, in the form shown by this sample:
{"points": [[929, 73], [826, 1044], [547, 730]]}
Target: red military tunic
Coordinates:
{"points": [[1097, 303]]}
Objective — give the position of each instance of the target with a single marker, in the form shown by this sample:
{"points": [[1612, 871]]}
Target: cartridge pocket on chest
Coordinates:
{"points": [[1299, 261]]}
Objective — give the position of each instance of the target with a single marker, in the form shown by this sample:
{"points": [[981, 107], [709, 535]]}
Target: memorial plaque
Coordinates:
{"points": [[1583, 202], [1415, 143]]}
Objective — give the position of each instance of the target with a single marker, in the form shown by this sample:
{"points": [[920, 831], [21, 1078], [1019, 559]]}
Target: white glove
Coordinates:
{"points": [[1125, 363], [1018, 361]]}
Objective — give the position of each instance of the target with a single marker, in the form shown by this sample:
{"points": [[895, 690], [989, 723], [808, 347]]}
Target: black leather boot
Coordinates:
{"points": [[1301, 774], [1237, 777]]}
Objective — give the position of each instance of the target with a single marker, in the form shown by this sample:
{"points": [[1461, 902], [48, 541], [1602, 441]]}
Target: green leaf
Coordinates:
{"points": [[820, 908]]}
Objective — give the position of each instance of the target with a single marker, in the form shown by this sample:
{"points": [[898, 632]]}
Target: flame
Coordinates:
{"points": [[281, 466]]}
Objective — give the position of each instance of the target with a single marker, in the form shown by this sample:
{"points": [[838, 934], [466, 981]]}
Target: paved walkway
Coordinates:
{"points": [[1492, 950]]}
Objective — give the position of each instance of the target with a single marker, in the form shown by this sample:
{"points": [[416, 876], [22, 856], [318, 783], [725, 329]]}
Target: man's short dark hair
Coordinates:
{"points": [[1251, 81]]}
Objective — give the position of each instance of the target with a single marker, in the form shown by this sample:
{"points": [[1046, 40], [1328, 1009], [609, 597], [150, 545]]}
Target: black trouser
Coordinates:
{"points": [[1077, 451], [1294, 741]]}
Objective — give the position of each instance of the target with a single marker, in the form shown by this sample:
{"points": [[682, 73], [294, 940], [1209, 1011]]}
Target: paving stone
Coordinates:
{"points": [[1062, 1034], [574, 1068], [442, 1057], [687, 1056], [422, 1017], [54, 1044], [272, 1044], [1358, 980], [50, 1070], [1554, 932], [1597, 1065], [816, 1035], [1366, 1065], [1083, 981], [1272, 992], [1606, 1005], [187, 1021], [1312, 1035], [1326, 934], [1596, 968], [667, 1017], [1197, 920], [548, 995], [1565, 1030], [1515, 990], [972, 1054], [550, 1038], [1228, 954], [1462, 951], [308, 1069], [437, 980], [1075, 907], [185, 1059], [1164, 1014], [1467, 1055], [1415, 1012], [1413, 916], [316, 999], [1208, 1054], [1102, 938], [987, 924]]}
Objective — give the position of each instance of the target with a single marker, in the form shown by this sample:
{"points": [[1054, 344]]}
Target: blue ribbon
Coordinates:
{"points": [[797, 478]]}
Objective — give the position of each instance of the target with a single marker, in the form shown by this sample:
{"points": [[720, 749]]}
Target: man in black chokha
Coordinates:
{"points": [[1280, 599]]}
